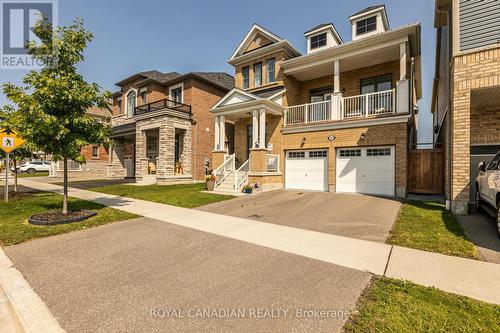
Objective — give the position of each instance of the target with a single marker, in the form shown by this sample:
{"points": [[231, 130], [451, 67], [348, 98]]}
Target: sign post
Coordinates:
{"points": [[9, 142]]}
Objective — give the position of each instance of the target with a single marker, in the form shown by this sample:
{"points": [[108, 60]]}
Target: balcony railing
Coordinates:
{"points": [[162, 104], [372, 104], [339, 108], [273, 163]]}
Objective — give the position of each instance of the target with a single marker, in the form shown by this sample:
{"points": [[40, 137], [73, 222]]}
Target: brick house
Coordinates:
{"points": [[162, 130], [339, 118], [96, 156], [466, 92]]}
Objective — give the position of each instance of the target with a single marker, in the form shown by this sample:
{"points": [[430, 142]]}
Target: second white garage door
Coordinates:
{"points": [[306, 170], [366, 170]]}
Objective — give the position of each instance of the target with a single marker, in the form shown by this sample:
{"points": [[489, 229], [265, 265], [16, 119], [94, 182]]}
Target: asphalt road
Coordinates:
{"points": [[150, 276]]}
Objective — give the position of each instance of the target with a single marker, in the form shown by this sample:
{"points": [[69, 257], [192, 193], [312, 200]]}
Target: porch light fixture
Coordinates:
{"points": [[249, 113], [362, 136], [303, 141]]}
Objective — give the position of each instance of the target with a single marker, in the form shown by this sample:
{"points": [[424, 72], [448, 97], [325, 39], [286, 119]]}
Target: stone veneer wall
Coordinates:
{"points": [[165, 162]]}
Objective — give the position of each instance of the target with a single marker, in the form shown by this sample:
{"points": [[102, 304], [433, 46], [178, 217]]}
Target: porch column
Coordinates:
{"points": [[403, 60], [336, 96], [336, 76], [255, 128], [217, 133], [262, 129], [222, 134]]}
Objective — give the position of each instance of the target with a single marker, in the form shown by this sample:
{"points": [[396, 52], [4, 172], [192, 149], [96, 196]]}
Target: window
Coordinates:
{"points": [[296, 154], [257, 74], [376, 84], [318, 41], [366, 25], [319, 153], [119, 104], [143, 97], [350, 152], [378, 152], [271, 76], [176, 93], [245, 71], [95, 151], [131, 103]]}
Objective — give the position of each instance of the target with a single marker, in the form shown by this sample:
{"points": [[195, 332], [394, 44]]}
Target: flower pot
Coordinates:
{"points": [[247, 190], [210, 185]]}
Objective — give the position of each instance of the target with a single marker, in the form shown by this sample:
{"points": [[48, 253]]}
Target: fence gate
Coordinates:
{"points": [[426, 171]]}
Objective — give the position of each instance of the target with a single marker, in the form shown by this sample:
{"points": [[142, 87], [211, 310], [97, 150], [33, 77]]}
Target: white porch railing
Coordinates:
{"points": [[241, 175], [365, 105], [308, 113], [273, 163], [224, 170]]}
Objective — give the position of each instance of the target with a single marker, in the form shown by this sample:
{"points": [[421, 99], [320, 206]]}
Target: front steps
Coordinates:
{"points": [[227, 184], [145, 180]]}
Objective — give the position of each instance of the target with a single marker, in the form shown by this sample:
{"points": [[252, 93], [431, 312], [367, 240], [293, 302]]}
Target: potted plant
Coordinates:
{"points": [[210, 179], [247, 189]]}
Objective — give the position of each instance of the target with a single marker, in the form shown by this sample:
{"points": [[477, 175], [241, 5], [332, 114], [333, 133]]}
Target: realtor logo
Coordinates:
{"points": [[18, 19]]}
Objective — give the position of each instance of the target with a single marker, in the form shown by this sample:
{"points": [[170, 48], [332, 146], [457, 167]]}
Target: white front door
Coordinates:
{"points": [[368, 170], [306, 170], [129, 167]]}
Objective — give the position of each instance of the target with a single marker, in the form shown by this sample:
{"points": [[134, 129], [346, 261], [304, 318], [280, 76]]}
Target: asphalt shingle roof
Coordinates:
{"points": [[368, 9]]}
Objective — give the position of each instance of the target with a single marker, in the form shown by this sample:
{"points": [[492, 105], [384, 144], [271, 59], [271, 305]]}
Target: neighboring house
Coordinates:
{"points": [[466, 92], [340, 118], [162, 130], [96, 156]]}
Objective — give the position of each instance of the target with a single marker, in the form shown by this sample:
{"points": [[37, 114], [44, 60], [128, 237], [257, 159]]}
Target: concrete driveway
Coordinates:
{"points": [[357, 216], [481, 229], [144, 275]]}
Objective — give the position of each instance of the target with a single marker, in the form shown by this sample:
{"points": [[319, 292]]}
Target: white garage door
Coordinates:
{"points": [[366, 170], [306, 170]]}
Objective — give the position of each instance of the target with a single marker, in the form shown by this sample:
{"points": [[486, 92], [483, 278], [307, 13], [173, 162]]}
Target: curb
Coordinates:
{"points": [[28, 308]]}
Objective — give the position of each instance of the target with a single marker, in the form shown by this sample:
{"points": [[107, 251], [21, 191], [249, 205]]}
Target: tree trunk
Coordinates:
{"points": [[65, 191], [15, 175]]}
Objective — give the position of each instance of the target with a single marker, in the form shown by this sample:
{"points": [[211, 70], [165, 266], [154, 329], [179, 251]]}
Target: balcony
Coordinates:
{"points": [[161, 105], [340, 108]]}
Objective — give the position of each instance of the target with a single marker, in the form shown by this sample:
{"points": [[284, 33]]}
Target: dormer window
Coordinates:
{"points": [[318, 41], [366, 25]]}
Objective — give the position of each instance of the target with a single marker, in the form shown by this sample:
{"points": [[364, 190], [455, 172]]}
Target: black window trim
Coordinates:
{"points": [[321, 41], [366, 24], [376, 80]]}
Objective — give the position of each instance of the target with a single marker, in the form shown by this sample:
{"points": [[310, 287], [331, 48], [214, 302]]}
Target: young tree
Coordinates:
{"points": [[52, 103]]}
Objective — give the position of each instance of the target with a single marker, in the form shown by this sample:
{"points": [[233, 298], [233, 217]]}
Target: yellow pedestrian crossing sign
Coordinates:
{"points": [[10, 141]]}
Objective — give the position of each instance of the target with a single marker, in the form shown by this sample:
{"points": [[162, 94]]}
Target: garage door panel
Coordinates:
{"points": [[362, 172], [305, 173]]}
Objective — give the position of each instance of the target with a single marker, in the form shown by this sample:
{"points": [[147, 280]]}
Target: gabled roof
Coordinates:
{"points": [[95, 111], [326, 26], [249, 37], [153, 74], [220, 80]]}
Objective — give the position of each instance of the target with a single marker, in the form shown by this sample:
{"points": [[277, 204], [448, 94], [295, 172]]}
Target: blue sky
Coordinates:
{"points": [[188, 35]]}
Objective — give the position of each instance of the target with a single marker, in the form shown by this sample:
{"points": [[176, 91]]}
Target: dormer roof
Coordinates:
{"points": [[257, 39], [368, 11], [324, 27]]}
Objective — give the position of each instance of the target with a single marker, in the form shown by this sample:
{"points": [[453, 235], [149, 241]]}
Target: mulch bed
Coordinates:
{"points": [[57, 217], [17, 195]]}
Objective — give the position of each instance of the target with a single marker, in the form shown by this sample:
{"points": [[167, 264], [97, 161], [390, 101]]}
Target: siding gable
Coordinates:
{"points": [[479, 23]]}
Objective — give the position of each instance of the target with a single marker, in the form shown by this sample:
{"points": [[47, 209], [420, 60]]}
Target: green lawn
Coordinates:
{"points": [[182, 195], [429, 226], [14, 227], [36, 174], [396, 306]]}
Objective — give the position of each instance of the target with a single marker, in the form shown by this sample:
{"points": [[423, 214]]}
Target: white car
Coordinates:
{"points": [[488, 189], [33, 166]]}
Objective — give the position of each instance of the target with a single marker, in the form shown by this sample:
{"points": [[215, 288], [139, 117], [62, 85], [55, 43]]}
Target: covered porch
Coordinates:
{"points": [[364, 80], [246, 151]]}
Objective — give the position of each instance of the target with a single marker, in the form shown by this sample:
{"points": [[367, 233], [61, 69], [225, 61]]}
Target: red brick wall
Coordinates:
{"points": [[87, 153], [201, 97]]}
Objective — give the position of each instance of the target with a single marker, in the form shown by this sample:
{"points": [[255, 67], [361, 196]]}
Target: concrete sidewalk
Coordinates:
{"points": [[475, 279]]}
